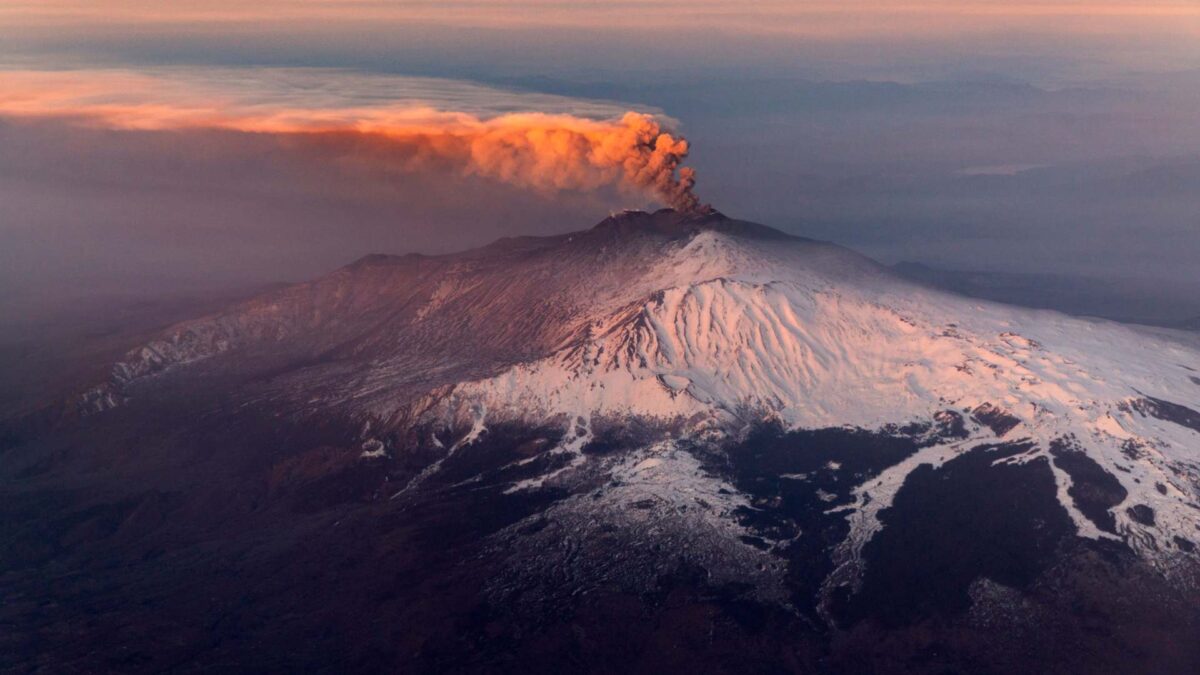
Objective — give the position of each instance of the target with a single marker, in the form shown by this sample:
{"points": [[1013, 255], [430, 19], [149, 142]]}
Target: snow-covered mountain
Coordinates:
{"points": [[690, 389], [704, 326]]}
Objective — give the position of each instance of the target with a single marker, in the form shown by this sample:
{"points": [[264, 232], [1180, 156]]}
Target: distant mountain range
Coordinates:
{"points": [[1119, 300]]}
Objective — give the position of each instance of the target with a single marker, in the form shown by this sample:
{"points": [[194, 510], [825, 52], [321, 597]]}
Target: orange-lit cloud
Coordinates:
{"points": [[811, 18], [544, 151]]}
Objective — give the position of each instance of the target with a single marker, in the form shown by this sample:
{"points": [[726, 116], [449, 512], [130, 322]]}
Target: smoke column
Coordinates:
{"points": [[536, 151], [559, 152]]}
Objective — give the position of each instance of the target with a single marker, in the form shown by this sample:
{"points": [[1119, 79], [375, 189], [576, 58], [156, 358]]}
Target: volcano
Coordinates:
{"points": [[674, 440]]}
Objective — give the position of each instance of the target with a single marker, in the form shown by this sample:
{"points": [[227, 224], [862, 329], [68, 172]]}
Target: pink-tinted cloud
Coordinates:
{"points": [[828, 19], [540, 151]]}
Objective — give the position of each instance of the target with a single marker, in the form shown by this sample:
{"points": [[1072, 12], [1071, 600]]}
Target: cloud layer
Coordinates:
{"points": [[828, 19]]}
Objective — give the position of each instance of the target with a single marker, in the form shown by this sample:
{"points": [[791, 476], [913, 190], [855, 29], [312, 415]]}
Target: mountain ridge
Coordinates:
{"points": [[671, 317], [617, 249], [755, 425]]}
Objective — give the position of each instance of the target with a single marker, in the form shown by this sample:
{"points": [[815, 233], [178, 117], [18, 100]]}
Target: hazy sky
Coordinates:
{"points": [[162, 145]]}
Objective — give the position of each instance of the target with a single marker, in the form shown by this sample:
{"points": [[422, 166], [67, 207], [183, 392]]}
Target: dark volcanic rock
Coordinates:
{"points": [[1140, 513], [1168, 412], [997, 419], [1094, 490], [795, 479], [971, 518]]}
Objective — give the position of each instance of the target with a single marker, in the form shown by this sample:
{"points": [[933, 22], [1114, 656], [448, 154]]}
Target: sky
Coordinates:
{"points": [[149, 146]]}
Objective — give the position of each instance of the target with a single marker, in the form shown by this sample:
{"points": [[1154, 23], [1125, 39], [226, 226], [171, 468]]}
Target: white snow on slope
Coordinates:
{"points": [[741, 329], [710, 332], [658, 493]]}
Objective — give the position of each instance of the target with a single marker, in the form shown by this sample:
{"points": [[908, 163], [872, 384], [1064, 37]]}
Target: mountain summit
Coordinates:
{"points": [[674, 418], [670, 222]]}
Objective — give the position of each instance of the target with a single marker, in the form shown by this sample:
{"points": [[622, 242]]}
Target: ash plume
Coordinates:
{"points": [[634, 152]]}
